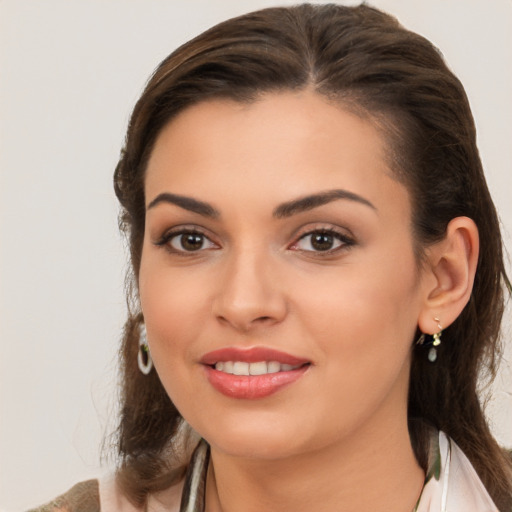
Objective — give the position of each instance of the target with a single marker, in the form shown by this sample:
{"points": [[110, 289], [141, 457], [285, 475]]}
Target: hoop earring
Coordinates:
{"points": [[433, 343], [144, 355]]}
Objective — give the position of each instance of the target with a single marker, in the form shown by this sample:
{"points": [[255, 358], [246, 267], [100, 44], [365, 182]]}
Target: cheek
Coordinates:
{"points": [[363, 329], [363, 313], [175, 311]]}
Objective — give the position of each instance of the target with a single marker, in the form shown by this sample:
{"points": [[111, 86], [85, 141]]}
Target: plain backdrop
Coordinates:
{"points": [[71, 71]]}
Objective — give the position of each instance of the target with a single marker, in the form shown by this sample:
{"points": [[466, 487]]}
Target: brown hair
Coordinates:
{"points": [[364, 59]]}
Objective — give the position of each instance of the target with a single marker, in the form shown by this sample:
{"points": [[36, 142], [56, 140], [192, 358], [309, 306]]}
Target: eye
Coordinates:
{"points": [[190, 242], [322, 241], [186, 241]]}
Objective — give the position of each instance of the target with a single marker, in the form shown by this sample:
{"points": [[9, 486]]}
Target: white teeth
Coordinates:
{"points": [[259, 368], [240, 368], [273, 367]]}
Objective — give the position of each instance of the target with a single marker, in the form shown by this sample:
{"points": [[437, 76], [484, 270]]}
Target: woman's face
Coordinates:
{"points": [[278, 244]]}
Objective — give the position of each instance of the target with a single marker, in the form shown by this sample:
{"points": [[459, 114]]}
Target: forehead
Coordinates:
{"points": [[279, 146]]}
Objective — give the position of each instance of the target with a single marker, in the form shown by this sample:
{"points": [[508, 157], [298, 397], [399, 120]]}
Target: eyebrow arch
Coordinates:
{"points": [[187, 203], [305, 203]]}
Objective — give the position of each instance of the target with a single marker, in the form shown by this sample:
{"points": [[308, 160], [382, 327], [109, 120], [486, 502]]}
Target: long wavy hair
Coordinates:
{"points": [[365, 60]]}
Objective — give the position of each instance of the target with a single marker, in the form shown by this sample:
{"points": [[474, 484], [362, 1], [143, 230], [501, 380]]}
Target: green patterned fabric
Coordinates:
{"points": [[434, 463]]}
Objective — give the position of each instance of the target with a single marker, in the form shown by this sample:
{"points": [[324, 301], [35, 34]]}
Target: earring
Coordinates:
{"points": [[433, 343], [436, 341], [144, 356]]}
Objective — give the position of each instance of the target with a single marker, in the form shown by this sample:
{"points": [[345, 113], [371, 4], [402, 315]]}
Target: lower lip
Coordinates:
{"points": [[252, 387]]}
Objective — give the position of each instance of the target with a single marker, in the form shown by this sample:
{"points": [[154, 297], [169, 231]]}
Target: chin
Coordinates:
{"points": [[255, 437]]}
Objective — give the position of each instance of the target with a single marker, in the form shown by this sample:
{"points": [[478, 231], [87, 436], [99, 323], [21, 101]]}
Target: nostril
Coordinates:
{"points": [[245, 315]]}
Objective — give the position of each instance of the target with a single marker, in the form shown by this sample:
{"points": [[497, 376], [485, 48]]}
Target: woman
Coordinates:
{"points": [[317, 276]]}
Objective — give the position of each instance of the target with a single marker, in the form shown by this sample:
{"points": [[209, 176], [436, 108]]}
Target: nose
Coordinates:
{"points": [[249, 294]]}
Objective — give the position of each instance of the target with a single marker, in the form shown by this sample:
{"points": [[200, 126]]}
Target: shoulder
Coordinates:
{"points": [[83, 497], [112, 498], [105, 496]]}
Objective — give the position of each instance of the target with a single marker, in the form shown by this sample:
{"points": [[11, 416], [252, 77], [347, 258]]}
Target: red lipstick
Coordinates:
{"points": [[251, 355], [252, 387]]}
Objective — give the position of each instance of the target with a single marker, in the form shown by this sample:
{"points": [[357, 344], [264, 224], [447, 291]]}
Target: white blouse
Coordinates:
{"points": [[458, 488]]}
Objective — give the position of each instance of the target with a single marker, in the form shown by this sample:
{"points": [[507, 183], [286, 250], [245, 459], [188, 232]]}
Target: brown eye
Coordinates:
{"points": [[190, 242], [322, 241]]}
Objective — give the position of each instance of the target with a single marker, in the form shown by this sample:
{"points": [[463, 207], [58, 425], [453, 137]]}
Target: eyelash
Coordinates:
{"points": [[345, 241], [167, 238]]}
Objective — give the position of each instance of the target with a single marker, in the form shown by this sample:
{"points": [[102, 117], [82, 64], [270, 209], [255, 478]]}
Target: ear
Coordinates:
{"points": [[450, 268]]}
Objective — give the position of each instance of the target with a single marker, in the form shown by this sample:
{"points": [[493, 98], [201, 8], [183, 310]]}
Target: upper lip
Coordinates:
{"points": [[251, 355]]}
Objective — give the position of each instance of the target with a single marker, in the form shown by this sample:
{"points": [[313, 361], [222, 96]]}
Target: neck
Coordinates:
{"points": [[369, 471]]}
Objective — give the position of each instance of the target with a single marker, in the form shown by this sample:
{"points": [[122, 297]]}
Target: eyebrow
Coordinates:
{"points": [[306, 203], [187, 203], [284, 210]]}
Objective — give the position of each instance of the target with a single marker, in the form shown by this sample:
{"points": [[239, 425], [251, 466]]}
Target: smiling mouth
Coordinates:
{"points": [[256, 368], [252, 373]]}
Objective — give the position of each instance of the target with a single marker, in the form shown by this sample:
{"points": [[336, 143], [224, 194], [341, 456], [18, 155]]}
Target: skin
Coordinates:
{"points": [[257, 281]]}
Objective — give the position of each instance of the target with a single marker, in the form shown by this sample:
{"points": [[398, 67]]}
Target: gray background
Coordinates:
{"points": [[71, 71]]}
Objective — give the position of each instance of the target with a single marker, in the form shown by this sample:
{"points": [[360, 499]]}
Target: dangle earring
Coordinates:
{"points": [[144, 356], [436, 341], [433, 343]]}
